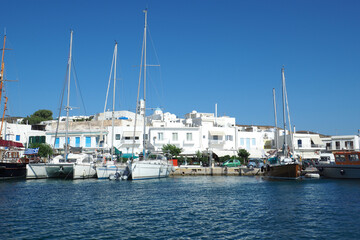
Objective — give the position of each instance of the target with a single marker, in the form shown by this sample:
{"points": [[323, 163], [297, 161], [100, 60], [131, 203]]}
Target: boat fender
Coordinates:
{"points": [[268, 168], [342, 172], [262, 168]]}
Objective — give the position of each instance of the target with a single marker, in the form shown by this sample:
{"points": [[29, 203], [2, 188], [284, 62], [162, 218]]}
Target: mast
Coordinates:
{"points": [[2, 120], [145, 28], [284, 110], [113, 108], [276, 128], [2, 70], [67, 108]]}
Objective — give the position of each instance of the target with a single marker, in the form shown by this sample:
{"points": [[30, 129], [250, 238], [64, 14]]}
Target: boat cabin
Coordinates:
{"points": [[347, 158]]}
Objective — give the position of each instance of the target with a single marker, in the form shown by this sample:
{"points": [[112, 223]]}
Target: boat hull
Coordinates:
{"points": [[9, 170], [105, 172], [339, 171], [284, 171], [60, 170], [82, 171], [150, 169], [36, 171]]}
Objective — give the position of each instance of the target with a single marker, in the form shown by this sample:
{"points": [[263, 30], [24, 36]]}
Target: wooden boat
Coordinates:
{"points": [[283, 165], [347, 165], [10, 164], [283, 170]]}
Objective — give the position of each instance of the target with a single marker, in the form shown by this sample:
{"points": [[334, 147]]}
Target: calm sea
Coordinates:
{"points": [[180, 208]]}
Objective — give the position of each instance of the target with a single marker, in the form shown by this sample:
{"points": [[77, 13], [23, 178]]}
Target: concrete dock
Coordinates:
{"points": [[194, 170]]}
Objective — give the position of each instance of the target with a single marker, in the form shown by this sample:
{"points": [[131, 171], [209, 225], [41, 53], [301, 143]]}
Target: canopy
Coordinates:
{"points": [[7, 143], [216, 133], [31, 151], [131, 134], [316, 140], [128, 155]]}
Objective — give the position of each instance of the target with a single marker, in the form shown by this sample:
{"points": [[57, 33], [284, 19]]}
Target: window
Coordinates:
{"points": [[117, 136], [242, 141], [349, 145], [77, 142], [299, 143], [174, 136], [88, 142], [353, 157], [188, 136], [215, 137], [248, 143], [337, 144], [328, 146], [229, 138], [68, 142], [17, 137], [97, 139], [160, 136], [253, 141], [57, 143], [340, 157]]}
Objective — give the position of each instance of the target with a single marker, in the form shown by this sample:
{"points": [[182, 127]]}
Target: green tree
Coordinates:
{"points": [[172, 149], [243, 155], [38, 116], [45, 150]]}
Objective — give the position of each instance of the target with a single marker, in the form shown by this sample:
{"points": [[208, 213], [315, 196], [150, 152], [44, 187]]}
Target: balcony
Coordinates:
{"points": [[216, 142]]}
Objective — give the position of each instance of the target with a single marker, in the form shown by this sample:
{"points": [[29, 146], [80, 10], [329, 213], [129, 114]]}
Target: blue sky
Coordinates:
{"points": [[224, 52]]}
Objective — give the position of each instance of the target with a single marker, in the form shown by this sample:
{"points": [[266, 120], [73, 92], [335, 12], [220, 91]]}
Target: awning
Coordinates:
{"points": [[316, 140], [216, 133], [31, 151], [7, 143], [128, 155], [131, 134]]}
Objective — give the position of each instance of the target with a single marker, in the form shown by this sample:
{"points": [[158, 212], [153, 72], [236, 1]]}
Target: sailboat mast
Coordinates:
{"points": [[67, 108], [2, 69], [113, 108], [284, 110], [145, 29], [276, 128]]}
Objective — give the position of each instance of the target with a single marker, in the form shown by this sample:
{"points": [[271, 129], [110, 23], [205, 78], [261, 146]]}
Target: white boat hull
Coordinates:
{"points": [[36, 171], [107, 171], [82, 171], [149, 169]]}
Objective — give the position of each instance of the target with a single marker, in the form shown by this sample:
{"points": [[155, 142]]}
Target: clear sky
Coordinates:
{"points": [[226, 52]]}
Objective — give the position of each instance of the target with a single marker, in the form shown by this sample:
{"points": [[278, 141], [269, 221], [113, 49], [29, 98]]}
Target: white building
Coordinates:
{"points": [[344, 142], [21, 133]]}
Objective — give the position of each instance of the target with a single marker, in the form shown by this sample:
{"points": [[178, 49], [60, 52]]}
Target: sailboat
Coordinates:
{"points": [[149, 165], [283, 165], [70, 165], [10, 163], [111, 169]]}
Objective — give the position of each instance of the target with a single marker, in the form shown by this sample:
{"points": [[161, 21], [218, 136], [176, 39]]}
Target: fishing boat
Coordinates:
{"points": [[283, 164], [11, 166], [149, 165], [347, 165], [10, 163]]}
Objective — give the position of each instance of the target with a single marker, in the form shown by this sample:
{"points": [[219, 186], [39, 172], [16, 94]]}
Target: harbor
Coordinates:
{"points": [[179, 120]]}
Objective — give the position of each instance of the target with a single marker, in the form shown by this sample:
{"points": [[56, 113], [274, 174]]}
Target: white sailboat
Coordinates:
{"points": [[70, 165], [111, 169], [150, 165]]}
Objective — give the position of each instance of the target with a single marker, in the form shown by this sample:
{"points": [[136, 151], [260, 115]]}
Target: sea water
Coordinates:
{"points": [[180, 208]]}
